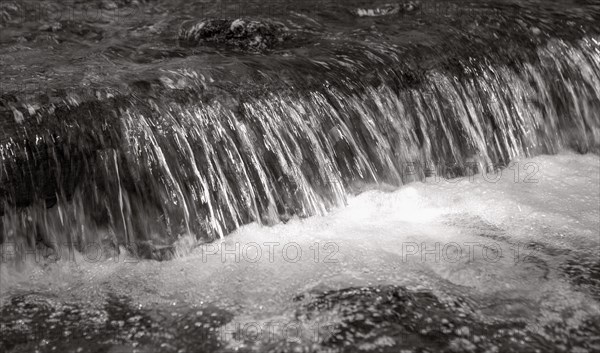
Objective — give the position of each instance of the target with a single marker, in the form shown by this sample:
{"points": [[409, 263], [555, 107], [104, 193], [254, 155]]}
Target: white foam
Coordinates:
{"points": [[372, 241]]}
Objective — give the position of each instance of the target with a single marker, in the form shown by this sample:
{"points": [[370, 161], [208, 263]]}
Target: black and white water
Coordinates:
{"points": [[325, 176]]}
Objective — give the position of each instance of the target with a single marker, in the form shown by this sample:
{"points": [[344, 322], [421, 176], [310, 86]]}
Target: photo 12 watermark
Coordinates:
{"points": [[224, 252], [453, 252], [271, 252]]}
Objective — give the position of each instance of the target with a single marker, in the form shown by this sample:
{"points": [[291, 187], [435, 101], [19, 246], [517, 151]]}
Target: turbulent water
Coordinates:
{"points": [[318, 144], [507, 262], [264, 118]]}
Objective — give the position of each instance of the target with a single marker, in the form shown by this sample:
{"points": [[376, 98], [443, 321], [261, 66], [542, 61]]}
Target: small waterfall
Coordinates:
{"points": [[192, 161]]}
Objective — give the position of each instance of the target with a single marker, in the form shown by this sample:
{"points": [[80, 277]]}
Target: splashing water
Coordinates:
{"points": [[207, 168], [496, 252]]}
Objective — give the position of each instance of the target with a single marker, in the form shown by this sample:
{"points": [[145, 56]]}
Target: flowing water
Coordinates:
{"points": [[324, 176], [481, 264]]}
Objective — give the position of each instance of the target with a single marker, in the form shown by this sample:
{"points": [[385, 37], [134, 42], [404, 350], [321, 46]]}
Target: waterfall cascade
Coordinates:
{"points": [[205, 142]]}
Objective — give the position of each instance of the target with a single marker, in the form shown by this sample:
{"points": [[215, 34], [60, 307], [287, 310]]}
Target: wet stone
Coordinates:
{"points": [[40, 323], [388, 9], [245, 34], [409, 319], [393, 319], [584, 272], [150, 251]]}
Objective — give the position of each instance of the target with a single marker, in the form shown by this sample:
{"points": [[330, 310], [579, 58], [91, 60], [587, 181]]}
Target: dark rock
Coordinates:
{"points": [[393, 318], [584, 272], [8, 11], [150, 251], [409, 319], [246, 34], [48, 153], [32, 322], [388, 9]]}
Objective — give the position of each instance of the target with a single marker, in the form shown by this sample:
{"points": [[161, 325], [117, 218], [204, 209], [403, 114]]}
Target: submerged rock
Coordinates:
{"points": [[387, 9], [251, 35], [584, 272], [150, 251], [393, 318], [41, 323], [408, 318]]}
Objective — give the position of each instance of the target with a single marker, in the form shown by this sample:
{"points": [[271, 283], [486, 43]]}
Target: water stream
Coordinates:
{"points": [[333, 175]]}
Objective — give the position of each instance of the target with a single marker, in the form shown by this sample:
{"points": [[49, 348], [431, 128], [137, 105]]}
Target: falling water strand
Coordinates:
{"points": [[121, 197], [206, 167]]}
